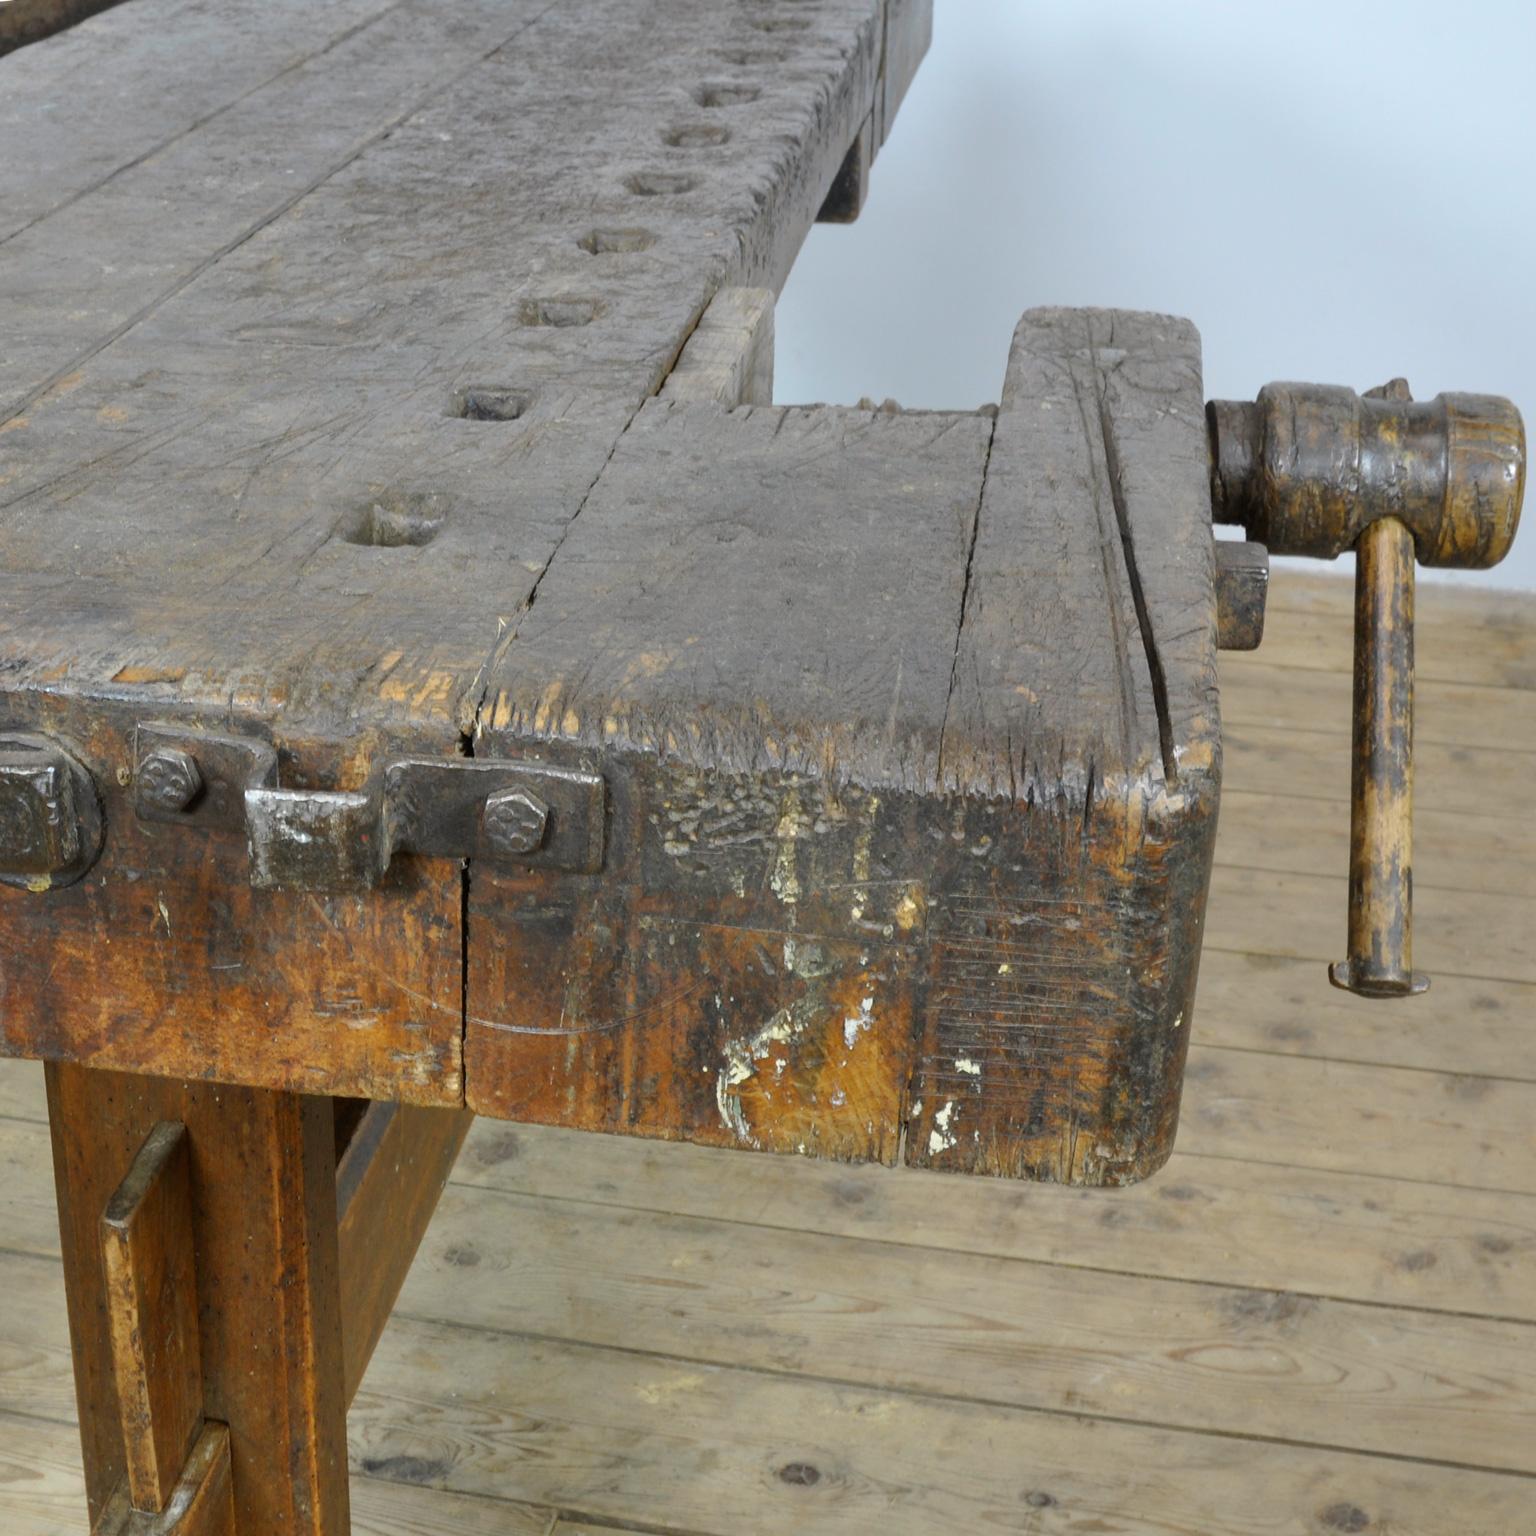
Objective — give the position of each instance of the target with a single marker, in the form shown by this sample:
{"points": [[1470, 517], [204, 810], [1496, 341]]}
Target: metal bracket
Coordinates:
{"points": [[519, 813]]}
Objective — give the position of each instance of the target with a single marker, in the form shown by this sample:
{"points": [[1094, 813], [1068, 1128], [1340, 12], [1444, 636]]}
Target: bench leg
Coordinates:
{"points": [[254, 1173]]}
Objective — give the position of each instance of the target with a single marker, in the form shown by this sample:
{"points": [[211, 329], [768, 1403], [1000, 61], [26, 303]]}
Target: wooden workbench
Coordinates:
{"points": [[1320, 1314], [432, 674]]}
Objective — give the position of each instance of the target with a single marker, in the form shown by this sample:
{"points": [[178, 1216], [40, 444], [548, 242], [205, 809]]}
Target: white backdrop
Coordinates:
{"points": [[1333, 190]]}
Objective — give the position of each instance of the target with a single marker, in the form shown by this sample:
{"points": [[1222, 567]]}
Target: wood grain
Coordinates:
{"points": [[802, 850], [1474, 637], [41, 1492], [387, 1186], [766, 852], [201, 1503], [1204, 1357], [1084, 698], [264, 1211], [687, 1446], [1299, 1175], [212, 343], [729, 357], [151, 1284], [1331, 1233], [1475, 934]]}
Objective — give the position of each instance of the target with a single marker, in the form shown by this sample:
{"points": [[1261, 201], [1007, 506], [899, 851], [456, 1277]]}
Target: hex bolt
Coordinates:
{"points": [[50, 825], [169, 781], [514, 822]]}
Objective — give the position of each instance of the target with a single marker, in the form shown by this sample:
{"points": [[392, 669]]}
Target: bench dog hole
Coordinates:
{"points": [[397, 520], [607, 242], [744, 57], [726, 93], [559, 313], [697, 136], [489, 402], [660, 183]]}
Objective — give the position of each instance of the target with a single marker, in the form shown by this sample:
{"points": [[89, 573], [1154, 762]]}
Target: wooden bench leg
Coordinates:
{"points": [[256, 1171], [391, 1173]]}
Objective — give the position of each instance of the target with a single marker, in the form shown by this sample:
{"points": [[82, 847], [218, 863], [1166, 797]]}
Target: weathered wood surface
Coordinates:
{"points": [[1357, 1212], [1084, 689], [1002, 760], [907, 722], [728, 360], [206, 394], [765, 910], [1374, 1223]]}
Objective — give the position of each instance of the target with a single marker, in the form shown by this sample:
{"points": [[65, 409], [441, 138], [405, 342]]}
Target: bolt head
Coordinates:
{"points": [[169, 780], [50, 828], [514, 822]]}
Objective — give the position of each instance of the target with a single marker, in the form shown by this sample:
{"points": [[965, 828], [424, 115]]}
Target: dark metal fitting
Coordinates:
{"points": [[1310, 469], [514, 822], [50, 818], [1242, 586], [344, 840], [1306, 468], [167, 783]]}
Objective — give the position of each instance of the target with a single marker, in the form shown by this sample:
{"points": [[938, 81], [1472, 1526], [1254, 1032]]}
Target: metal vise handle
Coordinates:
{"points": [[1316, 470]]}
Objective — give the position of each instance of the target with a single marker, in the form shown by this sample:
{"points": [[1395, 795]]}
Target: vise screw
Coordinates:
{"points": [[1309, 469]]}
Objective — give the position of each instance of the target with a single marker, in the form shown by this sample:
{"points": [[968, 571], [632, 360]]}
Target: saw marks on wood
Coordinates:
{"points": [[1320, 1318]]}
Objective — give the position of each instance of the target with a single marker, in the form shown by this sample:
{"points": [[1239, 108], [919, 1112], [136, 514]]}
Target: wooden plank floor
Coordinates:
{"points": [[1320, 1318]]}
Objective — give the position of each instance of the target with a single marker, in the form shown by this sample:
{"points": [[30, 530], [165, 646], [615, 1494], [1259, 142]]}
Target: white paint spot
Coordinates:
{"points": [[1178, 1023], [941, 1136], [966, 1065], [863, 1019], [741, 1058]]}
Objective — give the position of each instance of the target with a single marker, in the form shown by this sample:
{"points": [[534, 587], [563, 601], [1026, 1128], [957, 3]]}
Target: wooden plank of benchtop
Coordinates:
{"points": [[203, 68]]}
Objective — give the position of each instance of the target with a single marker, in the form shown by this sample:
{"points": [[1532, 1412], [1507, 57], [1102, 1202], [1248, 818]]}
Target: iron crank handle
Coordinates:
{"points": [[1315, 470]]}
